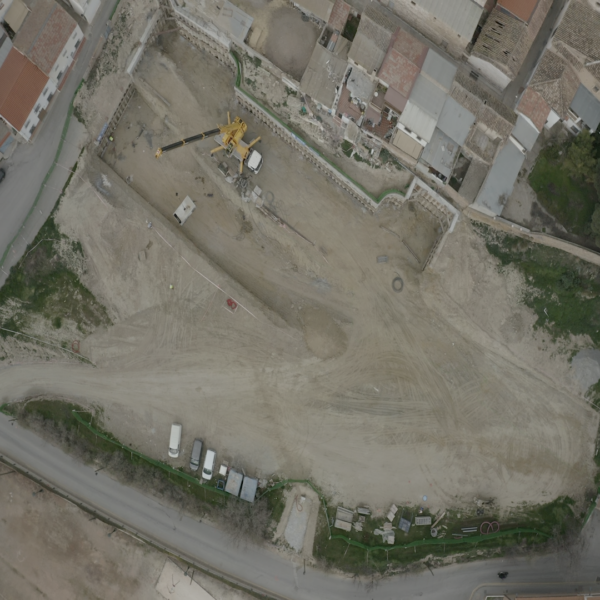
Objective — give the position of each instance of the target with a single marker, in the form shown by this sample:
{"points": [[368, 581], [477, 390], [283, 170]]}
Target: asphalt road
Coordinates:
{"points": [[265, 570], [26, 169]]}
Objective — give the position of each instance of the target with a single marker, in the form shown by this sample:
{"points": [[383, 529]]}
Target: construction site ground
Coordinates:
{"points": [[324, 371]]}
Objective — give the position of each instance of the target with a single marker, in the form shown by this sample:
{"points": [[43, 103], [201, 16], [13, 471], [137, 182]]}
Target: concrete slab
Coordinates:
{"points": [[298, 522]]}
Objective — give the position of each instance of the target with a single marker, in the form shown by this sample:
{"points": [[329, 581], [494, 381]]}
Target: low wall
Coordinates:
{"points": [[112, 124], [445, 213]]}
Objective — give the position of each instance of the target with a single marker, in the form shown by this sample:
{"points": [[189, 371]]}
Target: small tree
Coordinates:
{"points": [[595, 226], [581, 162]]}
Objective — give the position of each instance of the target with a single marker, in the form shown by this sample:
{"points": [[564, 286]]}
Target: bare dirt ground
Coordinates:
{"points": [[378, 396], [57, 552], [279, 33]]}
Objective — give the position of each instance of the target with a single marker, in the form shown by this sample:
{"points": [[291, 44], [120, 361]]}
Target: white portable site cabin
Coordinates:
{"points": [[185, 209]]}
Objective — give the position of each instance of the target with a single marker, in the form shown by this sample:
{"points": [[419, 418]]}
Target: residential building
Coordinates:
{"points": [[49, 38], [86, 8], [15, 13], [418, 121], [5, 45], [373, 37], [400, 69], [451, 132], [339, 16], [6, 139], [449, 24], [534, 107], [568, 76], [323, 78], [24, 94], [506, 38]]}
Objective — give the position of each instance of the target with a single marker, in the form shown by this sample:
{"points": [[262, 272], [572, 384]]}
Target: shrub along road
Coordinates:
{"points": [[273, 573]]}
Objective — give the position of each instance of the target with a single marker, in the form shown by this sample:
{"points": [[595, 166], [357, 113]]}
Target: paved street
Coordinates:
{"points": [[26, 169], [264, 570]]}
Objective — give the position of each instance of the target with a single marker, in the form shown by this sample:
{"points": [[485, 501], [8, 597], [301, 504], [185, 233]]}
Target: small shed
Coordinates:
{"points": [[249, 489], [184, 210], [234, 483], [343, 518]]}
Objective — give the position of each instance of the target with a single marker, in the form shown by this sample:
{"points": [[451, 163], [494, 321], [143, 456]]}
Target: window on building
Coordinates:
{"points": [[32, 129], [77, 44], [27, 124], [37, 108]]}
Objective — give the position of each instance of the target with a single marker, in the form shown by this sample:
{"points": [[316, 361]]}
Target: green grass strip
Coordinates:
{"points": [[114, 10], [376, 199], [443, 542], [48, 174], [152, 461]]}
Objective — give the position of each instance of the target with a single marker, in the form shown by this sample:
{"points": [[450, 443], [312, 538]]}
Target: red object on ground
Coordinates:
{"points": [[232, 304]]}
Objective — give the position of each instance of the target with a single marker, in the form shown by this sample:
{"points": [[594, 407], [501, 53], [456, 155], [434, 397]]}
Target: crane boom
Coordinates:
{"points": [[230, 139], [194, 138]]}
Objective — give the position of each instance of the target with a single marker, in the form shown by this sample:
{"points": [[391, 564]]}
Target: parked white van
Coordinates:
{"points": [[209, 465], [175, 440]]}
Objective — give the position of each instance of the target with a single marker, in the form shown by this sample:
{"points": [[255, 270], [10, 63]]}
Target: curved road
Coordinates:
{"points": [[272, 573]]}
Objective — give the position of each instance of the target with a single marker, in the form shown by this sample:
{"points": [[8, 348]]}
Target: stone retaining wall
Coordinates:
{"points": [[112, 124]]}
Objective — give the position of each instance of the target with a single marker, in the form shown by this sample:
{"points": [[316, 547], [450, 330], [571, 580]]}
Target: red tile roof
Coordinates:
{"points": [[398, 72], [339, 15], [44, 34], [522, 9], [22, 84], [409, 47], [401, 67], [533, 106]]}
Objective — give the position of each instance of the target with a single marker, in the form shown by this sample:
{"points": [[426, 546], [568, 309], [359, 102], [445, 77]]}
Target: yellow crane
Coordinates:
{"points": [[230, 138]]}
